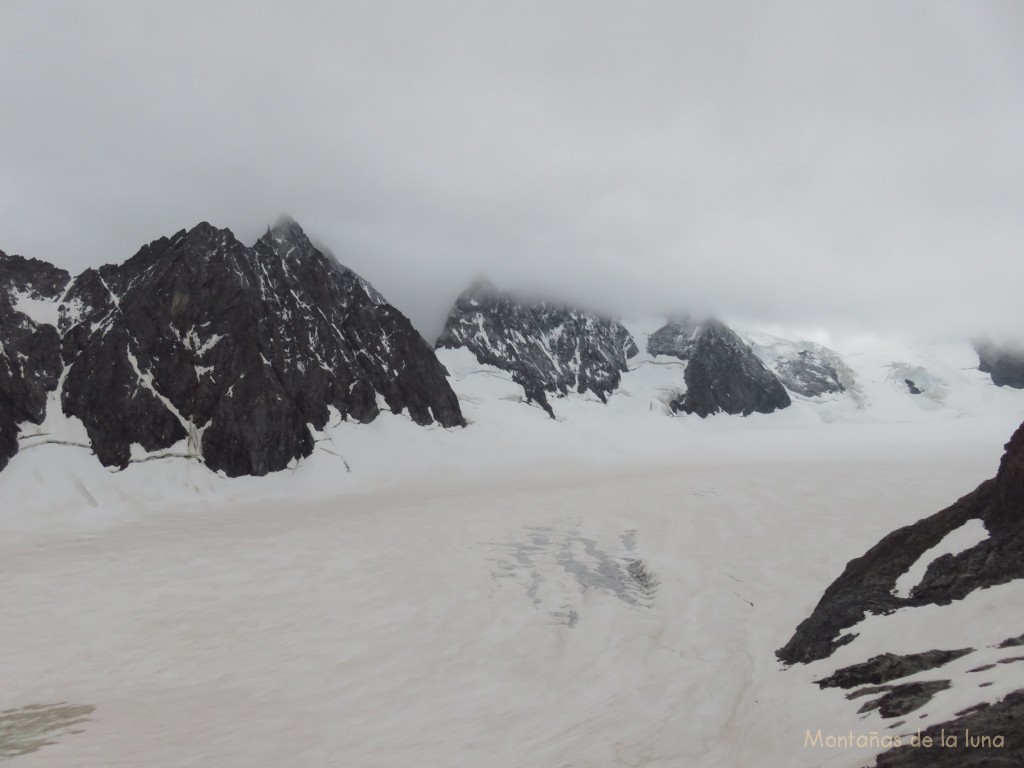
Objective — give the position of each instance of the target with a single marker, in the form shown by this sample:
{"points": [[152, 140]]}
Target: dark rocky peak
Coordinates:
{"points": [[157, 285], [1005, 363], [30, 277], [287, 229], [722, 334], [30, 362], [305, 261], [722, 374], [548, 348], [204, 234], [287, 240], [200, 243], [285, 252], [680, 336], [235, 351]]}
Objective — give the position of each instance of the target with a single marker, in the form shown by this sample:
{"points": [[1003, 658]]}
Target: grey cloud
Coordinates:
{"points": [[850, 164]]}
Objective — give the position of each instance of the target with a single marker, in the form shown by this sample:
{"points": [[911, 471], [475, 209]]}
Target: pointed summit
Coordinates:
{"points": [[286, 226], [286, 231], [287, 241], [204, 232]]}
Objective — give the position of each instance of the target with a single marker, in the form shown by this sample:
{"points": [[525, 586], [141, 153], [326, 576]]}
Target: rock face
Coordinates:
{"points": [[900, 700], [722, 374], [1004, 364], [548, 349], [991, 735], [237, 351], [890, 666], [30, 363], [809, 375], [677, 338], [868, 582], [806, 368]]}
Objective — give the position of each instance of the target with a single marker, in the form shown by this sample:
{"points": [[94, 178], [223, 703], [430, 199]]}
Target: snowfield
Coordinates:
{"points": [[607, 589]]}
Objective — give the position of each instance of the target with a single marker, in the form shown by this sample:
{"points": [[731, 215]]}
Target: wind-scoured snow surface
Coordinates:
{"points": [[604, 589]]}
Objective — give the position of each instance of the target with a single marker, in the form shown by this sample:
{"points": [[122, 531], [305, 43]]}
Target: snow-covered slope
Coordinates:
{"points": [[607, 589]]}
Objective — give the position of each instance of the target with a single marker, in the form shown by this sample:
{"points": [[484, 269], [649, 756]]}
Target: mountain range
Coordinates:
{"points": [[230, 353], [238, 356]]}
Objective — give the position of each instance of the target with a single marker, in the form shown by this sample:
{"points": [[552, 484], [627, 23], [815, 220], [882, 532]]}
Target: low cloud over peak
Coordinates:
{"points": [[823, 165]]}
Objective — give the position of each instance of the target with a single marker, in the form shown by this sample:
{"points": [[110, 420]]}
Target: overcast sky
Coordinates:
{"points": [[847, 165]]}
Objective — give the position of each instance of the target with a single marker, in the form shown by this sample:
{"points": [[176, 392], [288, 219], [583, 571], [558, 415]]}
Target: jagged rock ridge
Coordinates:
{"points": [[868, 582], [890, 666], [30, 362], [237, 351], [547, 348], [722, 373]]}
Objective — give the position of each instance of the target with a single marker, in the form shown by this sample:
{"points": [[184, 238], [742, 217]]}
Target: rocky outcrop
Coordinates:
{"points": [[989, 735], [889, 666], [899, 700], [237, 353], [868, 582], [677, 338], [806, 368], [809, 374], [30, 363], [547, 348], [1004, 363], [917, 380], [722, 374]]}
